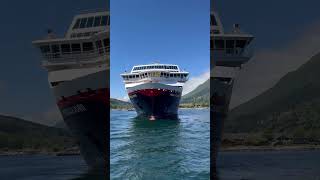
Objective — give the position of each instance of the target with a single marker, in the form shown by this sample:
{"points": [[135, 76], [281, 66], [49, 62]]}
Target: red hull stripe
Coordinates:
{"points": [[99, 95], [154, 92]]}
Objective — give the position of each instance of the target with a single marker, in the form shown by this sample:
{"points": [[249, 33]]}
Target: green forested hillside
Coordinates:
{"points": [[18, 134], [199, 96], [291, 107]]}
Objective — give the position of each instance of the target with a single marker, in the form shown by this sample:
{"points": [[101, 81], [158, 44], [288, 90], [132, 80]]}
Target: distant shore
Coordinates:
{"points": [[270, 148], [180, 107], [223, 149], [68, 152]]}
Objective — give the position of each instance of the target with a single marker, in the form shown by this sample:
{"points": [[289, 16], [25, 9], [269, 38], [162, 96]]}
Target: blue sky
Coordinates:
{"points": [[170, 31]]}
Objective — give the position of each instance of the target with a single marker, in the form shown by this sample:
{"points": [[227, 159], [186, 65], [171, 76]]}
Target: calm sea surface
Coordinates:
{"points": [[162, 149], [280, 165]]}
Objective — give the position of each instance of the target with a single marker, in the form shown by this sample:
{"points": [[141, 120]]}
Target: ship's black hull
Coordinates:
{"points": [[86, 115], [156, 103]]}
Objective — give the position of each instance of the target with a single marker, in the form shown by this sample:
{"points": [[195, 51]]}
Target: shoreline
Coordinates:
{"points": [[223, 149], [38, 152], [124, 109], [270, 148]]}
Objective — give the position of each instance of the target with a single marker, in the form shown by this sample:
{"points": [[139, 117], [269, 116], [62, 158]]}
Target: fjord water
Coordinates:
{"points": [[272, 165], [48, 167], [161, 149]]}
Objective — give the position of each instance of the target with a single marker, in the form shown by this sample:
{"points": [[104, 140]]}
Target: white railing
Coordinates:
{"points": [[154, 79], [75, 57]]}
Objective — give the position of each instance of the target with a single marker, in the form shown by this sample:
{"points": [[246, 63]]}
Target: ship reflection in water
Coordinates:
{"points": [[161, 149]]}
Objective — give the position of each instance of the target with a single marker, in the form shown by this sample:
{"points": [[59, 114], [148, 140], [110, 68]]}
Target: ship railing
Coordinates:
{"points": [[76, 56], [153, 79]]}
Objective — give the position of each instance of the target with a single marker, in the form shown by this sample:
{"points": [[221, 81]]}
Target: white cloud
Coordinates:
{"points": [[125, 98], [194, 82], [268, 65], [49, 117]]}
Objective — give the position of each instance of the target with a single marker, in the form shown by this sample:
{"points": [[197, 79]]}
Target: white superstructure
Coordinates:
{"points": [[168, 74], [78, 73]]}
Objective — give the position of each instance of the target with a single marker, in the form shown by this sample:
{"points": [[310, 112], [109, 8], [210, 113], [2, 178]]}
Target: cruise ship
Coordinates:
{"points": [[228, 52], [78, 74], [155, 89]]}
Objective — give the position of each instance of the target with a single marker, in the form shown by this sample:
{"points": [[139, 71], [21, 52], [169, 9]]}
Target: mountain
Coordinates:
{"points": [[291, 107], [200, 95], [118, 104], [18, 134]]}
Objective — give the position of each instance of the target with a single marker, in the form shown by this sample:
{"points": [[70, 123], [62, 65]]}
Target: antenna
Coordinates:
{"points": [[50, 34], [49, 31]]}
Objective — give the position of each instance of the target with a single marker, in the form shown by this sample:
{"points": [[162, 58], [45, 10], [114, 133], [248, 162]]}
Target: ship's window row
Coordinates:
{"points": [[155, 74], [85, 34], [155, 67], [56, 50], [89, 22], [228, 44]]}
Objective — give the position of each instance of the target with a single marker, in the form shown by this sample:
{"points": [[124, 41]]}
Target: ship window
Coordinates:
{"points": [[106, 42], [87, 46], [218, 44], [97, 20], [90, 22], [83, 22], [175, 75], [99, 46], [76, 25], [104, 21], [55, 48], [241, 43], [79, 35], [45, 49], [76, 48], [65, 48], [230, 44], [213, 21], [108, 20]]}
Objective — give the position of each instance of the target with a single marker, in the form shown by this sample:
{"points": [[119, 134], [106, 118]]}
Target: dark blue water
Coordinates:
{"points": [[43, 167], [281, 165], [162, 149]]}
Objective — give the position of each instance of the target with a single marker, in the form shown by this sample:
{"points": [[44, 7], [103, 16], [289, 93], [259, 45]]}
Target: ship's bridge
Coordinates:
{"points": [[88, 23], [165, 67], [155, 72], [86, 43], [228, 49]]}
